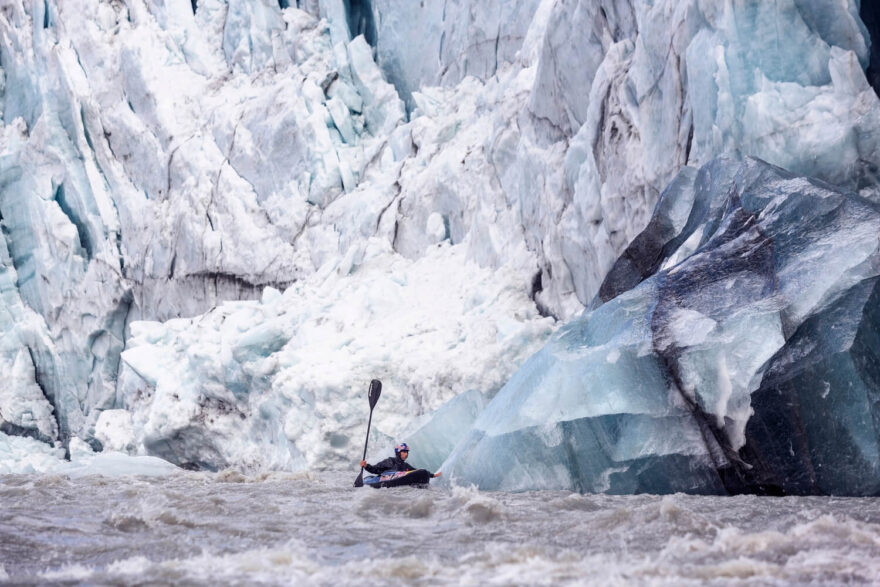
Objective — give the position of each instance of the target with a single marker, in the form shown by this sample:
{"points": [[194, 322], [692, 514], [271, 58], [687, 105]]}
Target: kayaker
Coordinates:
{"points": [[395, 463]]}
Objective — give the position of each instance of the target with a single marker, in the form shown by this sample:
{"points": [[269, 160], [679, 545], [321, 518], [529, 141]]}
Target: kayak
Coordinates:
{"points": [[399, 478]]}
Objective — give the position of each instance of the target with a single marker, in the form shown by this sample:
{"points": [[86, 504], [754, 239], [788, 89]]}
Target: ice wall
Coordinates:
{"points": [[25, 409], [736, 353], [160, 157], [605, 101], [154, 161], [446, 41]]}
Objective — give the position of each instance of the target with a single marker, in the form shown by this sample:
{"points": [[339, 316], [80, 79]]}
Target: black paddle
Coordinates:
{"points": [[375, 392]]}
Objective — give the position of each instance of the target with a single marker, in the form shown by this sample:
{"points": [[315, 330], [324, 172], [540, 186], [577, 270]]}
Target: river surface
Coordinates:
{"points": [[224, 528]]}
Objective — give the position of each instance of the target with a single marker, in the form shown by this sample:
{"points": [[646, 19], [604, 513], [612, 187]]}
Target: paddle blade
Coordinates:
{"points": [[375, 392]]}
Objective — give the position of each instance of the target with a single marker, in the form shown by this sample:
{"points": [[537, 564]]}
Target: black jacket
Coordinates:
{"points": [[394, 463]]}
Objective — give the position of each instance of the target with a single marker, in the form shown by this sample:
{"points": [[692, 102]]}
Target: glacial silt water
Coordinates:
{"points": [[224, 528]]}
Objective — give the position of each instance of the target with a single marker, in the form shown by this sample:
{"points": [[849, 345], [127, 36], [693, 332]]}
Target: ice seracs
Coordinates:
{"points": [[24, 407], [154, 161]]}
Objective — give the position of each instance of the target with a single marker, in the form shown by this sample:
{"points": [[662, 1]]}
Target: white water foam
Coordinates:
{"points": [[282, 529]]}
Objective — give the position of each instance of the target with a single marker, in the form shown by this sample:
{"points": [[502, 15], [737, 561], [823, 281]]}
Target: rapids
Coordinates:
{"points": [[225, 528]]}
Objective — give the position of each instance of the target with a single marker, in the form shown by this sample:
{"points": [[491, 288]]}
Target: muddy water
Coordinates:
{"points": [[194, 528]]}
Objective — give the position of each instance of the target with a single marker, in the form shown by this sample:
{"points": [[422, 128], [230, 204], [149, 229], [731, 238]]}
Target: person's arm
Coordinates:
{"points": [[381, 466], [374, 469], [369, 468]]}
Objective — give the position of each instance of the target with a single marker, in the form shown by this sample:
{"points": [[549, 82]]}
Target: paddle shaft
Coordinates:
{"points": [[359, 482], [369, 421]]}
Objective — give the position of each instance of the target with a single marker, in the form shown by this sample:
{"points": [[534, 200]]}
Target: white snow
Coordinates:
{"points": [[115, 431], [19, 454]]}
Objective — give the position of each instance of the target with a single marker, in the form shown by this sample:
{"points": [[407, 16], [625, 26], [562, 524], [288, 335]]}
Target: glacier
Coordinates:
{"points": [[735, 352], [168, 165]]}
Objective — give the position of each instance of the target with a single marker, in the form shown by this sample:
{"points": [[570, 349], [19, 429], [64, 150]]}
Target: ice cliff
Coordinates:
{"points": [[185, 162]]}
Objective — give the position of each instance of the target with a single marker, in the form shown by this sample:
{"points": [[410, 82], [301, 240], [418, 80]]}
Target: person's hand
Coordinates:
{"points": [[363, 464], [437, 474]]}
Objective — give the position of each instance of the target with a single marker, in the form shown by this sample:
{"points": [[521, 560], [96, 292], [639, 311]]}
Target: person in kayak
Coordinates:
{"points": [[395, 463]]}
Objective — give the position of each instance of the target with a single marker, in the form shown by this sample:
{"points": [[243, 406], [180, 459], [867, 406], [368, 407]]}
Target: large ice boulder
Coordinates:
{"points": [[736, 352]]}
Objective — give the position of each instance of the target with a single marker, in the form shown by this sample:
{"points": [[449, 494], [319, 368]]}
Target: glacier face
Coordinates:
{"points": [[160, 157], [736, 353], [155, 161]]}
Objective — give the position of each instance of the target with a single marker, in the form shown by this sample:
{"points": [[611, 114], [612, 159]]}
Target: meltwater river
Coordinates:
{"points": [[196, 528]]}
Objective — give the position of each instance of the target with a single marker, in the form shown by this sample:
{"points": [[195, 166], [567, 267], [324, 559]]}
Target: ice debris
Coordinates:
{"points": [[281, 384]]}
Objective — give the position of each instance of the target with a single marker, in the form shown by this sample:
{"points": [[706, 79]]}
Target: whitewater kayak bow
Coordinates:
{"points": [[399, 478]]}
